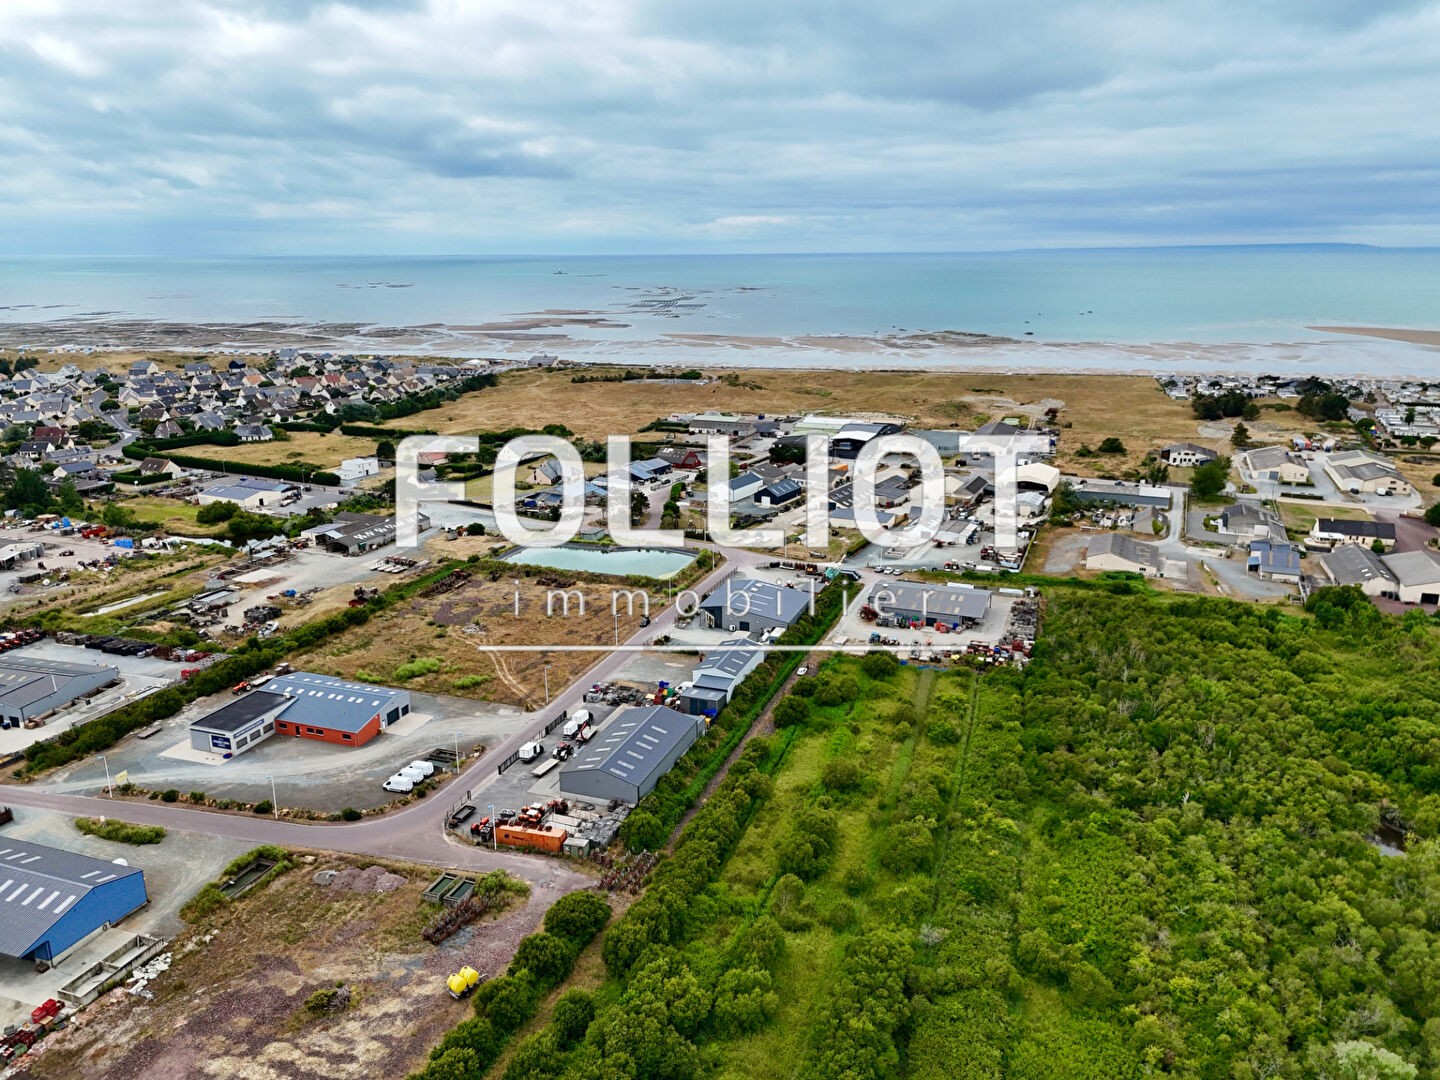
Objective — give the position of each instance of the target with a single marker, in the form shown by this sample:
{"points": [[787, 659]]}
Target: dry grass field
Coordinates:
{"points": [[425, 640], [233, 1003], [1095, 406], [326, 451]]}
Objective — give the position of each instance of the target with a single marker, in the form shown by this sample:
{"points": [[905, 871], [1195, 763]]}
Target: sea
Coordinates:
{"points": [[1145, 309]]}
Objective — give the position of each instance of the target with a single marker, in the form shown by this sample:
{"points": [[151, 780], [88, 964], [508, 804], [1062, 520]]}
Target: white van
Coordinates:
{"points": [[399, 784], [424, 768], [411, 773]]}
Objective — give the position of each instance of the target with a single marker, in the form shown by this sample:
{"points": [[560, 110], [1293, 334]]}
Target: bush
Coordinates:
{"points": [[120, 831], [908, 846], [512, 1001], [196, 797], [425, 665], [577, 917], [545, 956], [841, 774], [745, 1000], [790, 711], [880, 665], [264, 806], [836, 690], [350, 814], [808, 847], [574, 1011], [1111, 445], [170, 795], [203, 904]]}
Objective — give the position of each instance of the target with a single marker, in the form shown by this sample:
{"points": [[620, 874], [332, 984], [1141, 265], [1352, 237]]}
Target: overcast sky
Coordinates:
{"points": [[471, 126]]}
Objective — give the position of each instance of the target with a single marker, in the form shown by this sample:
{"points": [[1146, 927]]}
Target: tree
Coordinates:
{"points": [[1156, 471], [880, 665], [216, 512], [1111, 445], [26, 491], [790, 711], [1360, 1060], [117, 516], [1378, 546], [68, 498], [1410, 415], [643, 831], [1240, 437], [385, 450], [1208, 480], [1432, 515]]}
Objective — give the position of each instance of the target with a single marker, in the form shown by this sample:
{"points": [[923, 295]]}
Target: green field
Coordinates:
{"points": [[1144, 856]]}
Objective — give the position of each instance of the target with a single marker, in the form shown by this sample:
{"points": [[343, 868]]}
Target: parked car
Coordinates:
{"points": [[425, 768], [412, 774], [399, 784]]}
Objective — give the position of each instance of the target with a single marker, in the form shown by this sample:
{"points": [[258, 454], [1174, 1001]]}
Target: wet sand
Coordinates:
{"points": [[1389, 333], [1354, 351]]}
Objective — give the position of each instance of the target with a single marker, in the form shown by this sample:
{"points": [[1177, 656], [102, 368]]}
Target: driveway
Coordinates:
{"points": [[1411, 533]]}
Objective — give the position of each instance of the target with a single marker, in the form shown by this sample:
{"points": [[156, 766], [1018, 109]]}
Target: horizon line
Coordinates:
{"points": [[541, 255]]}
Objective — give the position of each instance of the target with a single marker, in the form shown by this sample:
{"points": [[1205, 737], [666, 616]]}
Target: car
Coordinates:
{"points": [[399, 785], [802, 670], [531, 750]]}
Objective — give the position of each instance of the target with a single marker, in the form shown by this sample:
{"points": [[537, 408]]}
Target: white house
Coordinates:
{"points": [[357, 468], [1187, 455]]}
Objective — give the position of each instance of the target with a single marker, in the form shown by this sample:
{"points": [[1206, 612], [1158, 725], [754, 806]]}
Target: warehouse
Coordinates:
{"points": [[1116, 551], [335, 710], [240, 725], [249, 493], [747, 604], [1417, 576], [31, 687], [717, 675], [1119, 493], [908, 601], [630, 754], [1352, 564], [309, 706], [51, 900], [355, 533]]}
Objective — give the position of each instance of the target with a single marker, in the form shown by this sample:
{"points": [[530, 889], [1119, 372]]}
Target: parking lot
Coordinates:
{"points": [[854, 630], [307, 773], [307, 568], [139, 675], [175, 869]]}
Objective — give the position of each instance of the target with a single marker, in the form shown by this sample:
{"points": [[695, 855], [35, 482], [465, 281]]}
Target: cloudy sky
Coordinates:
{"points": [[467, 126]]}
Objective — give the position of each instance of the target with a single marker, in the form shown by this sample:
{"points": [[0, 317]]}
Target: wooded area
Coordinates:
{"points": [[1151, 853]]}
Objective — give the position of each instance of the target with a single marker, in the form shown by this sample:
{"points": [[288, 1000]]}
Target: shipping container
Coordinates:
{"points": [[541, 839]]}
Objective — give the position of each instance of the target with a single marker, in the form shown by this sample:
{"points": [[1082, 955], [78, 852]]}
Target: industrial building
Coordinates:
{"points": [[1119, 493], [909, 601], [631, 753], [747, 604], [716, 677], [354, 533], [1360, 473], [301, 705], [51, 900], [1354, 564], [1116, 551], [1417, 576], [249, 493], [31, 687], [240, 725]]}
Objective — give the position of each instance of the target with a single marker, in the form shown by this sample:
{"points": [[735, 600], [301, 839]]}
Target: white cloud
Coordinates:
{"points": [[625, 124]]}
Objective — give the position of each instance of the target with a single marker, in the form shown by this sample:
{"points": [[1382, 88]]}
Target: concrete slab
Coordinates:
{"points": [[408, 725], [183, 751]]}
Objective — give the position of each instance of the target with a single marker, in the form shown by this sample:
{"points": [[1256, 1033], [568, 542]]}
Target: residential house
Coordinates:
{"points": [[1187, 455], [254, 432], [1274, 561], [1334, 532], [1276, 463]]}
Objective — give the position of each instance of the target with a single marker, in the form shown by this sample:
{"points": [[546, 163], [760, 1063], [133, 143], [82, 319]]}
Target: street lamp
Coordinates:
{"points": [[109, 790], [617, 626], [547, 681], [494, 844], [274, 799], [457, 752]]}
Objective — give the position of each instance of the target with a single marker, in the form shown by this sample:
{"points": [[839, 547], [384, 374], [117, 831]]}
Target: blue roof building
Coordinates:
{"points": [[51, 900]]}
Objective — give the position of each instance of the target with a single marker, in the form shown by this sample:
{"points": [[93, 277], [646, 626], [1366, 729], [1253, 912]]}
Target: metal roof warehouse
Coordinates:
{"points": [[630, 754], [304, 705], [51, 900], [929, 604], [30, 686]]}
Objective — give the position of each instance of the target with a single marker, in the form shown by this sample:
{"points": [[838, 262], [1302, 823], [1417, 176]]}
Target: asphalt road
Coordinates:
{"points": [[416, 833]]}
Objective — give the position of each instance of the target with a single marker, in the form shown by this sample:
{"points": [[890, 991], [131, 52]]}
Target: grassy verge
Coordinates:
{"points": [[120, 831]]}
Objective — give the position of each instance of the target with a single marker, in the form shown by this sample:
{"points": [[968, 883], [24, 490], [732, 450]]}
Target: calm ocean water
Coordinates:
{"points": [[1261, 298]]}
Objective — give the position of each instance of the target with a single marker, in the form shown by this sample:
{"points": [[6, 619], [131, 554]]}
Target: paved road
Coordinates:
{"points": [[418, 832]]}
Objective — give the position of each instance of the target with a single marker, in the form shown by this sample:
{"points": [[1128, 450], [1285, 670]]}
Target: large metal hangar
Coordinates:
{"points": [[51, 900], [631, 753]]}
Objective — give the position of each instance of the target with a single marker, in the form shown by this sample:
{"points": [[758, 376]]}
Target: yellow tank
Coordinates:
{"points": [[470, 975], [457, 984]]}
